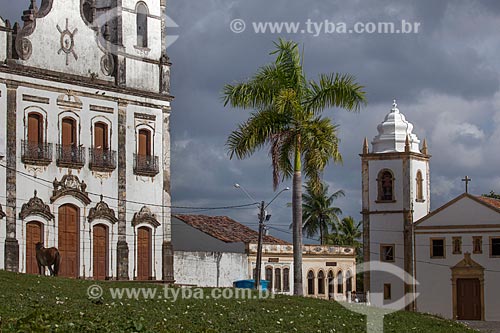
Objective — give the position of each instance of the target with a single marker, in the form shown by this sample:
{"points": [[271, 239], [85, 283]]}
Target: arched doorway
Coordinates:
{"points": [[331, 285], [348, 282], [100, 252], [468, 289], [144, 249], [310, 283], [69, 221], [34, 234], [340, 283], [321, 283]]}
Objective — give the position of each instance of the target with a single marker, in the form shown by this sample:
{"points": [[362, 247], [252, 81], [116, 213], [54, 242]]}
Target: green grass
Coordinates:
{"points": [[44, 304]]}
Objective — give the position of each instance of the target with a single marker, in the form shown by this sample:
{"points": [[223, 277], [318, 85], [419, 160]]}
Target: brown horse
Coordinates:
{"points": [[47, 258]]}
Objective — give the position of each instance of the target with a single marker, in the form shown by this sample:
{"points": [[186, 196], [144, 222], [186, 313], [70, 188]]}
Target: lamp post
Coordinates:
{"points": [[263, 217]]}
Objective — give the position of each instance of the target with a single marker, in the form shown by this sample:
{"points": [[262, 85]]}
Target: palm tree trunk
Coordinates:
{"points": [[321, 239], [297, 223]]}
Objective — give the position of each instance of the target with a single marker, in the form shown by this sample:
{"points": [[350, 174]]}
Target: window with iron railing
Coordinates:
{"points": [[102, 159], [70, 156], [37, 153], [145, 165]]}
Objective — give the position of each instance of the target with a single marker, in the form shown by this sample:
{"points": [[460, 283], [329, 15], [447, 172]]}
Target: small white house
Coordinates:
{"points": [[458, 259], [215, 251]]}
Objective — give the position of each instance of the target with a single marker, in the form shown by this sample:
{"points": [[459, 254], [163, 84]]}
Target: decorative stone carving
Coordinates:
{"points": [[67, 42], [69, 100], [165, 74], [102, 211], [70, 185], [145, 216], [108, 64], [2, 214], [36, 206], [23, 47]]}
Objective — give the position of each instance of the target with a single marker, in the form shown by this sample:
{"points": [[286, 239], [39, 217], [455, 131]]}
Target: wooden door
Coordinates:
{"points": [[68, 132], [100, 252], [144, 148], [468, 299], [69, 220], [35, 128], [101, 136], [34, 234], [144, 253]]}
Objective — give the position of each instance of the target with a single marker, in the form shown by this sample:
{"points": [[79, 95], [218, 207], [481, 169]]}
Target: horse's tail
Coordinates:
{"points": [[57, 262]]}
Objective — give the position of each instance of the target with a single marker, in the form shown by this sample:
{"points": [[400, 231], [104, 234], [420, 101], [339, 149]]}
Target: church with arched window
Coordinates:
{"points": [[453, 251], [85, 108]]}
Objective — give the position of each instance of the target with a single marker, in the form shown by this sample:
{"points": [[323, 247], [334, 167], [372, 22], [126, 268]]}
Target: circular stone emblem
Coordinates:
{"points": [[67, 42]]}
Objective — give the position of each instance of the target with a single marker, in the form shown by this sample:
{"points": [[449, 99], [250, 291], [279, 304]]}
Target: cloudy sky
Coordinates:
{"points": [[446, 80]]}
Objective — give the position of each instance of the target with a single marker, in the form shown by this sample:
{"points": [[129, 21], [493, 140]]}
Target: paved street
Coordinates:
{"points": [[484, 326]]}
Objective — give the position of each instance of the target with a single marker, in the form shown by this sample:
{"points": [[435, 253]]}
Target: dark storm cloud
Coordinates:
{"points": [[446, 79]]}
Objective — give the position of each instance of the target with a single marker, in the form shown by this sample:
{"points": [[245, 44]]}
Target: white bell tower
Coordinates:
{"points": [[396, 192]]}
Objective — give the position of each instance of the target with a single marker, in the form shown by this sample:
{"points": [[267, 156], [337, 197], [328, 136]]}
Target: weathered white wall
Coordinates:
{"points": [[434, 275], [146, 190], [46, 42], [3, 42], [209, 269], [3, 149]]}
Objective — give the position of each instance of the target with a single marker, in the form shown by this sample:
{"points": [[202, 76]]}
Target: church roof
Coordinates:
{"points": [[226, 229], [393, 133], [491, 203]]}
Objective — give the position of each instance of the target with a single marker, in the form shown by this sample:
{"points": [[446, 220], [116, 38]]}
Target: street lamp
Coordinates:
{"points": [[263, 217]]}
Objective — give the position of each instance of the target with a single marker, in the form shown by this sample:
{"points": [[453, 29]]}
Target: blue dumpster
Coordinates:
{"points": [[249, 284]]}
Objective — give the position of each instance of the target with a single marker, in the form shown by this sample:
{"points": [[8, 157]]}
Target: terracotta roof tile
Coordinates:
{"points": [[226, 229], [490, 201]]}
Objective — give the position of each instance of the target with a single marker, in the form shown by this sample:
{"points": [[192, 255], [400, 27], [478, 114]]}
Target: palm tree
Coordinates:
{"points": [[348, 233], [287, 117], [318, 212]]}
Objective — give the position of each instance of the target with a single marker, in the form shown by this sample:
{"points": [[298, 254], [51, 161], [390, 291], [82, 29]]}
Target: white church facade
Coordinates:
{"points": [[84, 139], [453, 252]]}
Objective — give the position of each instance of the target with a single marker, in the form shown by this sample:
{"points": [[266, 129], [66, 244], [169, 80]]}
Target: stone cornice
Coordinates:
{"points": [[102, 211], [145, 216], [36, 206], [83, 81], [395, 156], [70, 185]]}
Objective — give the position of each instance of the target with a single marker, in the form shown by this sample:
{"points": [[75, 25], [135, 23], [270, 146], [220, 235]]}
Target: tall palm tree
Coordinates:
{"points": [[287, 117], [348, 233], [319, 214]]}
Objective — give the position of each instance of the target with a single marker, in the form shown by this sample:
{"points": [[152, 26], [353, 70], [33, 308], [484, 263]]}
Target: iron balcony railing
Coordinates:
{"points": [[36, 153], [145, 165], [70, 156], [102, 159]]}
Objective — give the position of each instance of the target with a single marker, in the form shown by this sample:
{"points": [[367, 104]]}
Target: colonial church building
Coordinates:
{"points": [[84, 138], [453, 251]]}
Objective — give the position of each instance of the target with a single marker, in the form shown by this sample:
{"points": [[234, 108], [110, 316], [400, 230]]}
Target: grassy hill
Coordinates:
{"points": [[44, 304]]}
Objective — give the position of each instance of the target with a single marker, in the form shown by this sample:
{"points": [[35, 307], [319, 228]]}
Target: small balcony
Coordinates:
{"points": [[69, 156], [145, 165], [35, 153], [102, 160]]}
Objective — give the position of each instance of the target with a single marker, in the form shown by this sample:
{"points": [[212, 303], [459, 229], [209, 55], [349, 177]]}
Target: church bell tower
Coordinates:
{"points": [[395, 194]]}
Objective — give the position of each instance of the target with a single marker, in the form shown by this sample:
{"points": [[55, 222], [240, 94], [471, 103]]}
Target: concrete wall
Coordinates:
{"points": [[209, 269]]}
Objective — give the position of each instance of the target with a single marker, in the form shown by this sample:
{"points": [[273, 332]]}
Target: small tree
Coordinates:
{"points": [[492, 195], [318, 213]]}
